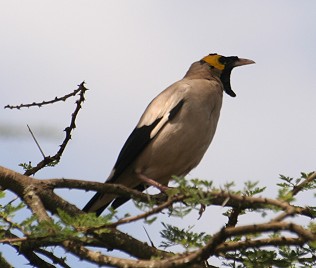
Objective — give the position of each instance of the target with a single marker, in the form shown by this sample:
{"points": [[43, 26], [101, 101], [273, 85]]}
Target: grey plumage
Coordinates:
{"points": [[175, 130]]}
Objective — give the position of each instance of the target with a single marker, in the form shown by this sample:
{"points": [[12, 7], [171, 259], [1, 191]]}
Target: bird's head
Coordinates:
{"points": [[224, 66]]}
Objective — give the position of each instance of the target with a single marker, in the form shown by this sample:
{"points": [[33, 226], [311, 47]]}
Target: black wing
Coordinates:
{"points": [[133, 146], [136, 142]]}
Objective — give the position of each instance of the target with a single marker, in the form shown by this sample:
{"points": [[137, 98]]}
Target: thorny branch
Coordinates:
{"points": [[34, 138], [68, 130], [219, 198], [145, 215], [40, 104], [32, 198], [54, 259]]}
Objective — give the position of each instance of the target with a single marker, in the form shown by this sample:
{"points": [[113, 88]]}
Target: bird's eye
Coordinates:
{"points": [[222, 60]]}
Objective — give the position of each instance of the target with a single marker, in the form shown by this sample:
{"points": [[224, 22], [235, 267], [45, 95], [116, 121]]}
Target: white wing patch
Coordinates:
{"points": [[159, 125], [162, 105]]}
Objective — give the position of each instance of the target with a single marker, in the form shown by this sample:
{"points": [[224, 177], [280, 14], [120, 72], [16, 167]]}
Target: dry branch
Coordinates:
{"points": [[68, 130]]}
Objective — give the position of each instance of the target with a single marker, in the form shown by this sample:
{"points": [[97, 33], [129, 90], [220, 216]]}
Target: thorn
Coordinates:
{"points": [[225, 201], [151, 242], [38, 146]]}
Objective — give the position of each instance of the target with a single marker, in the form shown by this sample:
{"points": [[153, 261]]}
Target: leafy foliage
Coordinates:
{"points": [[251, 248], [185, 237], [26, 166]]}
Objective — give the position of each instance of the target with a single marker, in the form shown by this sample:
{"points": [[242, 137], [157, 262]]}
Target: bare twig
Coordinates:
{"points": [[276, 241], [100, 259], [97, 257], [155, 210], [50, 159], [10, 240], [241, 200], [36, 261], [109, 188], [38, 146], [54, 259], [151, 242], [271, 227], [40, 104]]}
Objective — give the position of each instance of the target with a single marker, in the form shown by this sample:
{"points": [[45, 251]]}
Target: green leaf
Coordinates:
{"points": [[184, 237], [26, 166], [151, 220]]}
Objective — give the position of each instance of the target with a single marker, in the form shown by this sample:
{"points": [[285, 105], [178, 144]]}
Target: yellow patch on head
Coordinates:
{"points": [[213, 60]]}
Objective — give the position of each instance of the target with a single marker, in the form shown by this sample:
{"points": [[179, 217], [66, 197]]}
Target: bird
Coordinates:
{"points": [[174, 132]]}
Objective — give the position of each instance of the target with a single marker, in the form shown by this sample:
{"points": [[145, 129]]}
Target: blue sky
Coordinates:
{"points": [[127, 52]]}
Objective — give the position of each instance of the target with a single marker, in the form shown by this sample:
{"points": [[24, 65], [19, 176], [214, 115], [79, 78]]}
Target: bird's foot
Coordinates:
{"points": [[152, 182]]}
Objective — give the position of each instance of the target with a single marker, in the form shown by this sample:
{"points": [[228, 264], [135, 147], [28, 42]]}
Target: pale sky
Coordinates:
{"points": [[129, 51]]}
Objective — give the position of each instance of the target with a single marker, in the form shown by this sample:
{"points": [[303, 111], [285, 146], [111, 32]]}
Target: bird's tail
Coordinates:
{"points": [[98, 203]]}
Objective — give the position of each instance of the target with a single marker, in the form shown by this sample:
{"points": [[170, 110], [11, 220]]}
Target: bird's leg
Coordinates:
{"points": [[152, 182]]}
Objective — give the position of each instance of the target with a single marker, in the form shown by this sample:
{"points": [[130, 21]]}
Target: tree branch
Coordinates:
{"points": [[35, 203], [54, 259], [296, 189], [219, 238], [155, 210], [303, 184], [217, 197], [96, 257], [113, 240], [277, 241], [39, 196], [68, 130], [110, 188], [29, 254], [40, 104]]}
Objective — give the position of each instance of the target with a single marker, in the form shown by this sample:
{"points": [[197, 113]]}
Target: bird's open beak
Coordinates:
{"points": [[241, 62]]}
